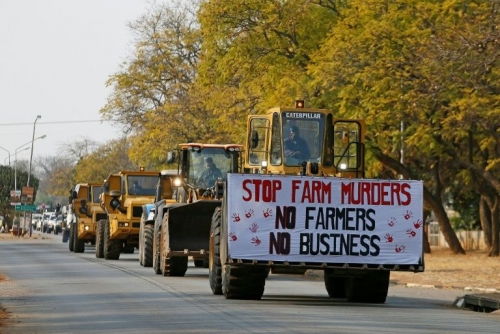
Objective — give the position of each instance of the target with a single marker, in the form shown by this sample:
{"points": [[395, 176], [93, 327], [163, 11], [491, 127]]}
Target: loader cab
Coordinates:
{"points": [[119, 187], [144, 185], [80, 198], [302, 141], [95, 193], [197, 159]]}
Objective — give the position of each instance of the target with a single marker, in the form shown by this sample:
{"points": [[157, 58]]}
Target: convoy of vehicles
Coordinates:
{"points": [[182, 226], [124, 194], [293, 198], [294, 210], [86, 211]]}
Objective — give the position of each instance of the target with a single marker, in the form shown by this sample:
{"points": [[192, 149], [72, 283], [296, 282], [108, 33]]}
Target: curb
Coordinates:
{"points": [[432, 286], [318, 274]]}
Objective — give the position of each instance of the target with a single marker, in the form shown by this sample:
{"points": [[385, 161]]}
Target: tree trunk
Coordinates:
{"points": [[431, 202], [427, 245], [485, 216], [495, 228], [444, 222]]}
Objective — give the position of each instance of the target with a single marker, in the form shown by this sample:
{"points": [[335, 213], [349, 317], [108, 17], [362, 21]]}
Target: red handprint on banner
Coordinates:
{"points": [[236, 217], [408, 215], [400, 249], [418, 223], [267, 213], [249, 213], [232, 236], [256, 241], [411, 233], [391, 222], [254, 227], [388, 238]]}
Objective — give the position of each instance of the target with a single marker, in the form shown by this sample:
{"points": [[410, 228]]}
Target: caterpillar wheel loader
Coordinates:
{"points": [[303, 203], [182, 229]]}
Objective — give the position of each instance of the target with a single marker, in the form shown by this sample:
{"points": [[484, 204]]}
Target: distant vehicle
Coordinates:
{"points": [[51, 223], [58, 224], [45, 220], [36, 221]]}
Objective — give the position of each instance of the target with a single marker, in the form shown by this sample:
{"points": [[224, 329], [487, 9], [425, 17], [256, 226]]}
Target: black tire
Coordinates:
{"points": [[372, 287], [156, 250], [65, 236], [335, 285], [99, 240], [70, 240], [198, 263], [170, 265], [244, 282], [74, 235], [79, 246], [128, 249], [214, 262], [147, 250], [112, 248], [141, 241]]}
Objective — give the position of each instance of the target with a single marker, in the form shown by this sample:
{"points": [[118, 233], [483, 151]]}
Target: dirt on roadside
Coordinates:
{"points": [[474, 271]]}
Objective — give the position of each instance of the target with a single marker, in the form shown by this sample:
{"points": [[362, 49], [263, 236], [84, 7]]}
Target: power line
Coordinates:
{"points": [[57, 122]]}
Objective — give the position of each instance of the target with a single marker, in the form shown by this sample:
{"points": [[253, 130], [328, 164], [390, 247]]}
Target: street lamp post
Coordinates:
{"points": [[15, 179], [15, 163], [20, 149], [6, 150], [32, 144], [15, 157]]}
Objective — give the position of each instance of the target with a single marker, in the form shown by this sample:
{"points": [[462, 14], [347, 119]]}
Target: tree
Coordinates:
{"points": [[7, 184], [153, 94], [374, 66], [256, 54], [106, 159]]}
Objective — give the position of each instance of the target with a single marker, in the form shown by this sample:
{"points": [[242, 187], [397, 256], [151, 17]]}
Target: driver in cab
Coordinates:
{"points": [[296, 146], [209, 175]]}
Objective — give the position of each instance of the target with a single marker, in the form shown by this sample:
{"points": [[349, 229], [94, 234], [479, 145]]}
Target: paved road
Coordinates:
{"points": [[54, 291]]}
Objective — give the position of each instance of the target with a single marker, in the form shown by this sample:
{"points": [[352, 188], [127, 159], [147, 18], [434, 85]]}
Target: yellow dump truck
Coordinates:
{"points": [[124, 194], [85, 211]]}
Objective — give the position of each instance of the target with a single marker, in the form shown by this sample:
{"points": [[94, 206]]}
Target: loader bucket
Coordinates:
{"points": [[189, 225]]}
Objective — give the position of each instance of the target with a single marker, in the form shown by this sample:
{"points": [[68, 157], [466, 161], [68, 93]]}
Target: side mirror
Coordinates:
{"points": [[171, 157], [254, 139]]}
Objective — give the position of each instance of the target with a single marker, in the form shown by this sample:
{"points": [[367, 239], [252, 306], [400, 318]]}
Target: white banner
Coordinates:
{"points": [[320, 219]]}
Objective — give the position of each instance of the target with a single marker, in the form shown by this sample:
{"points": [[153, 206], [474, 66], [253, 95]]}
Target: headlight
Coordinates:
{"points": [[177, 182]]}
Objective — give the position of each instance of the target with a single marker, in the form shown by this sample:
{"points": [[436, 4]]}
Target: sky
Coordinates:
{"points": [[55, 58]]}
